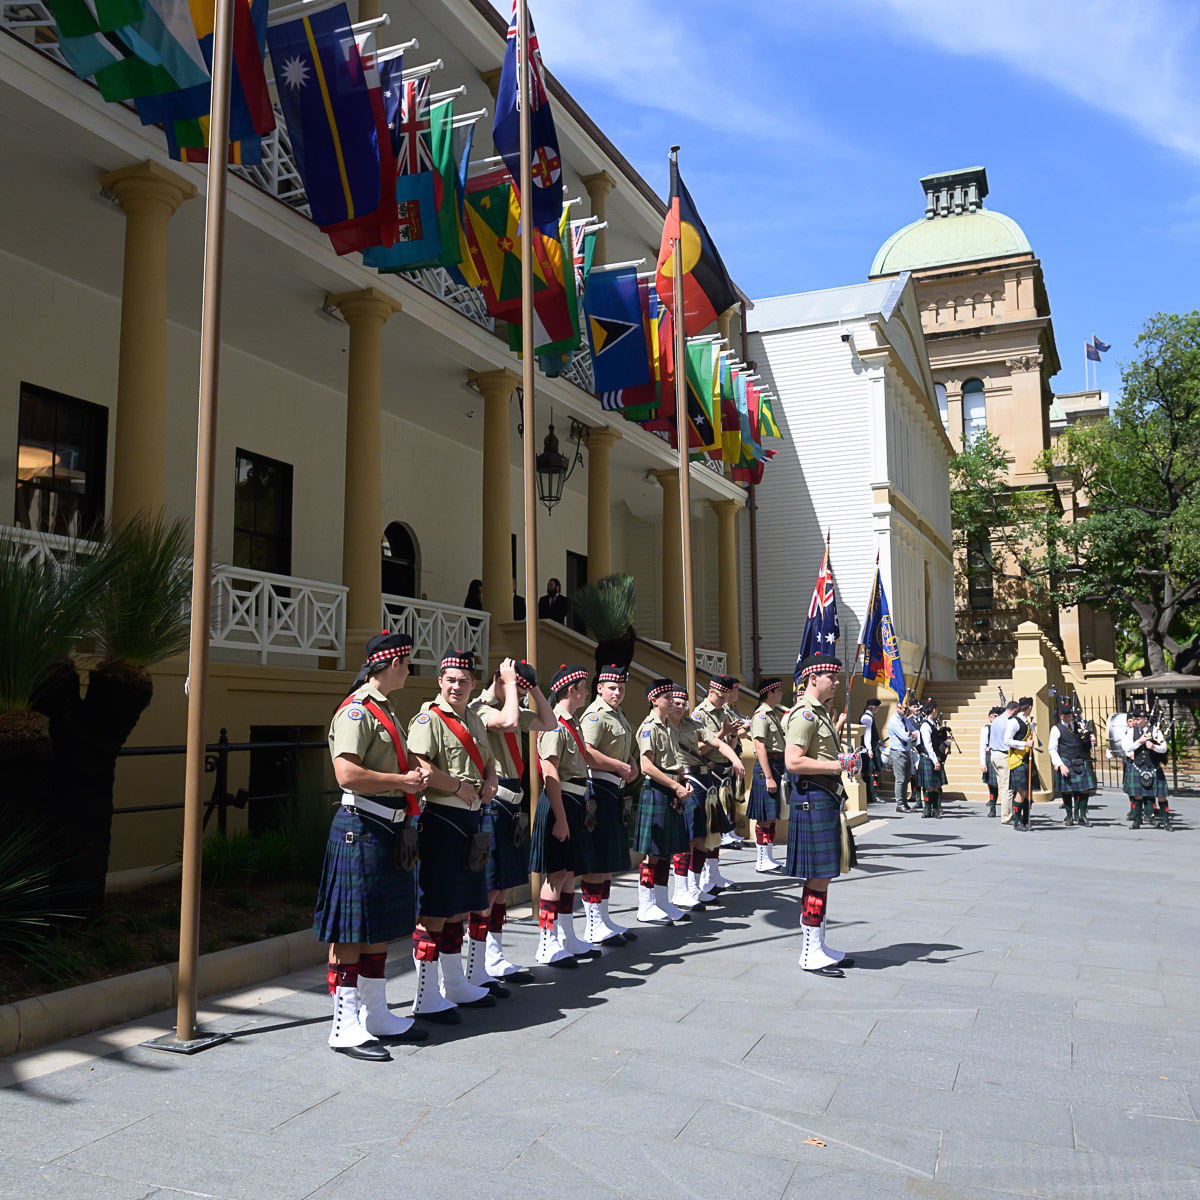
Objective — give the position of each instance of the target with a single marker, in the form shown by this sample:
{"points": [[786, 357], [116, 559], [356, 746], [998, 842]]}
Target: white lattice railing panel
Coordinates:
{"points": [[712, 661], [436, 628], [46, 547], [278, 615]]}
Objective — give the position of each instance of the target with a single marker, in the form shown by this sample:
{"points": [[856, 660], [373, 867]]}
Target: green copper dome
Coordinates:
{"points": [[956, 228]]}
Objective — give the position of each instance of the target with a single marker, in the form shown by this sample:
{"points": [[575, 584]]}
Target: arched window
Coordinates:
{"points": [[974, 410], [939, 390], [400, 567]]}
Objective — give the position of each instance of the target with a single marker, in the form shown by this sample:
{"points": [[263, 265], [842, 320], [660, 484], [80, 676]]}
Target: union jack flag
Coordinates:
{"points": [[821, 630], [537, 76], [414, 151]]}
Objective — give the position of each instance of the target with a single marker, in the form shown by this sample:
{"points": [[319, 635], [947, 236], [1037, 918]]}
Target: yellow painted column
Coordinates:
{"points": [[491, 77], [599, 512], [725, 325], [727, 592], [148, 194], [598, 186], [496, 572], [362, 512], [672, 559]]}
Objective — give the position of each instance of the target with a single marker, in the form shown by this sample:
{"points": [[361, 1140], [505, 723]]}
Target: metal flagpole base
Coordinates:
{"points": [[201, 1041]]}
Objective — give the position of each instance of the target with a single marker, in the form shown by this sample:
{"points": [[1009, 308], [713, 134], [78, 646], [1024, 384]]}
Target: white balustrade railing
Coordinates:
{"points": [[278, 615], [45, 547], [437, 628], [712, 661]]}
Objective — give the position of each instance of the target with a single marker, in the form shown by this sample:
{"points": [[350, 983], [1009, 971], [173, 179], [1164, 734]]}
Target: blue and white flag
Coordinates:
{"points": [[821, 630], [880, 646], [1103, 347]]}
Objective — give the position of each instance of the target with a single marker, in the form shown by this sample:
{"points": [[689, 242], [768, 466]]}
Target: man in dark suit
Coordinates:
{"points": [[554, 606]]}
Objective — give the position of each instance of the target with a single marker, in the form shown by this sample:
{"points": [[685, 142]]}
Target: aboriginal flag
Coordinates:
{"points": [[707, 289]]}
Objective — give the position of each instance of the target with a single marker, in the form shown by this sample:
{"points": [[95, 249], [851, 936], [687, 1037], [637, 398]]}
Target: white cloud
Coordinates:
{"points": [[1135, 60]]}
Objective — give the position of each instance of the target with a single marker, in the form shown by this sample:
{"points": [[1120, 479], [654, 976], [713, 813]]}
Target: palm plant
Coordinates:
{"points": [[33, 899], [607, 608]]}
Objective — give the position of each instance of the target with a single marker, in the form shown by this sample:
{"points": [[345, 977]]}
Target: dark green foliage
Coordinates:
{"points": [[607, 607]]}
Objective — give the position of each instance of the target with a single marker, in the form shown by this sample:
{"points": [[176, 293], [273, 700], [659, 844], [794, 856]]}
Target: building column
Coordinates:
{"points": [[725, 325], [362, 511], [672, 559], [148, 194], [496, 387], [599, 513], [598, 186], [727, 591]]}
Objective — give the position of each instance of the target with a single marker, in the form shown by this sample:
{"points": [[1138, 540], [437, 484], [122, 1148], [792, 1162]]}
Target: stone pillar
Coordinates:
{"points": [[496, 571], [599, 512], [148, 194], [727, 590], [598, 186], [362, 512], [491, 77], [725, 325], [672, 559]]}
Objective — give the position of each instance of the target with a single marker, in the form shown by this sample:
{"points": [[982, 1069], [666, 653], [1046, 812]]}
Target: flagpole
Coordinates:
{"points": [[681, 433], [527, 407], [185, 1039]]}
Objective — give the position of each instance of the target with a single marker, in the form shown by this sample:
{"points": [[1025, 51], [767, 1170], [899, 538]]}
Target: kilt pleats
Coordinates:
{"points": [[658, 829], [445, 886], [761, 805], [814, 847]]}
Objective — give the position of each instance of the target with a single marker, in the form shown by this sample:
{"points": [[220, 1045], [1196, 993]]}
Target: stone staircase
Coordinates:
{"points": [[964, 705]]}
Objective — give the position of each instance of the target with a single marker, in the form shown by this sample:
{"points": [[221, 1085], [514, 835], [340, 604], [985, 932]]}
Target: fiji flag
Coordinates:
{"points": [[880, 646], [543, 140], [614, 327], [330, 120], [821, 630]]}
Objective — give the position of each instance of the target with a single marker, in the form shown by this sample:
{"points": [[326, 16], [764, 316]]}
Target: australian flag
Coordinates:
{"points": [[543, 140], [821, 630], [881, 647]]}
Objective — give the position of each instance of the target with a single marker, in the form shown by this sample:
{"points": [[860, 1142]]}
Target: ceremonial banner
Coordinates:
{"points": [[493, 220], [821, 630], [880, 646], [555, 307], [82, 18], [613, 309]]}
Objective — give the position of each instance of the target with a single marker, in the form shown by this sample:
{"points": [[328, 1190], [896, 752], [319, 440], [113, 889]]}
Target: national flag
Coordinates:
{"points": [[704, 430], [158, 53], [464, 271], [492, 220], [821, 630], [547, 201], [613, 319], [1103, 347], [707, 289], [444, 168], [184, 114], [330, 118], [1093, 355], [881, 647], [639, 398], [555, 308], [82, 18], [768, 426]]}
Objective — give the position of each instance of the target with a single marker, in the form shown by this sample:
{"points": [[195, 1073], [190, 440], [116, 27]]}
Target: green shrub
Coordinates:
{"points": [[274, 856]]}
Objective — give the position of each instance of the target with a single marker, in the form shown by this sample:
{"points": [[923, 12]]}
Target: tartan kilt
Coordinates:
{"points": [[992, 782], [1019, 778], [363, 897], [929, 777], [761, 806], [507, 865], [695, 807], [547, 854], [814, 846], [1081, 781], [445, 887], [610, 838], [1134, 786], [658, 829]]}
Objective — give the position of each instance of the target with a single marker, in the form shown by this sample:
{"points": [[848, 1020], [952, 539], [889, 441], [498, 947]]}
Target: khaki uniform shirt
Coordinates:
{"points": [[811, 728], [766, 726], [430, 737], [710, 719], [505, 767], [688, 731], [658, 740], [558, 743], [607, 730], [355, 730]]}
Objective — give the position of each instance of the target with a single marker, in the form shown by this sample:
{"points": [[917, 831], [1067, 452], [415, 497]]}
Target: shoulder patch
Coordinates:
{"points": [[355, 713], [804, 712], [593, 717], [423, 719], [645, 735]]}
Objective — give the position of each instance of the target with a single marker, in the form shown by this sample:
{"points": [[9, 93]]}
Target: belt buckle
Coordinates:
{"points": [[805, 806], [350, 837]]}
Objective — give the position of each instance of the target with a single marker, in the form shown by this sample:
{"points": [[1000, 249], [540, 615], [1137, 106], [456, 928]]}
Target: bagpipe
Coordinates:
{"points": [[1148, 758]]}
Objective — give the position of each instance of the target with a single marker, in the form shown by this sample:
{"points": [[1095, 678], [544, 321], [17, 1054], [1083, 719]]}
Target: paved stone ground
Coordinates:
{"points": [[1022, 1022]]}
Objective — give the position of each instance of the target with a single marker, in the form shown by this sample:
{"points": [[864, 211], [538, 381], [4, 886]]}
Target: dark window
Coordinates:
{"points": [[980, 588], [62, 444], [576, 578], [399, 561], [262, 514]]}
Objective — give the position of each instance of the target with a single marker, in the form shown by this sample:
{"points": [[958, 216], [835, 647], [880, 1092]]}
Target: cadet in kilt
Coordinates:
{"points": [[987, 772], [1022, 770], [812, 753], [762, 807], [659, 831], [1070, 756], [931, 768], [1145, 780], [698, 808], [366, 898], [720, 737], [506, 719], [561, 846], [609, 738], [451, 742]]}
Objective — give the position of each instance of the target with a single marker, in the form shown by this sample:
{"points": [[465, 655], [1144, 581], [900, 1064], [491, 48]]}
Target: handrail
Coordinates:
{"points": [[436, 628]]}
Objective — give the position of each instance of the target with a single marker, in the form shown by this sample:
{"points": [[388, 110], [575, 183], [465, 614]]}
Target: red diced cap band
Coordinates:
{"points": [[459, 661], [658, 687]]}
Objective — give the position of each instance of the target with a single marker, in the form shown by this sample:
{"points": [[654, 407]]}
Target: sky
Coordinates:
{"points": [[805, 127]]}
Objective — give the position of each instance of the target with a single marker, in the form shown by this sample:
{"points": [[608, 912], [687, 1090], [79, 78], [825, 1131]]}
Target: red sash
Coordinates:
{"points": [[461, 732], [578, 740], [411, 802], [514, 748]]}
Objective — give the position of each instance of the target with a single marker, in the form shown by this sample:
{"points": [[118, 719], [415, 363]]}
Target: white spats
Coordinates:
{"points": [[455, 987], [429, 998], [376, 1017], [496, 965], [348, 1028], [649, 912]]}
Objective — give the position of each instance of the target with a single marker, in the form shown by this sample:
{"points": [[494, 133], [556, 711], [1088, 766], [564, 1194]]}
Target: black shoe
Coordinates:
{"points": [[368, 1052], [448, 1016], [1068, 820], [827, 972], [1084, 821], [845, 962], [412, 1035], [568, 963], [521, 976], [614, 940], [498, 989]]}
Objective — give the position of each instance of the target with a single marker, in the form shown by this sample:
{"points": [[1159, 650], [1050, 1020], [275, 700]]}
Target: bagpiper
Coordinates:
{"points": [[1070, 747], [1145, 750], [659, 831], [770, 778], [451, 742], [998, 758], [1022, 770], [987, 769], [609, 738], [814, 757], [561, 847], [869, 746], [511, 707], [931, 773], [367, 896]]}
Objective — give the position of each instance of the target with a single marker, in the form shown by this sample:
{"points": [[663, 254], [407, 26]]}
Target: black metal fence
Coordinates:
{"points": [[1178, 722]]}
